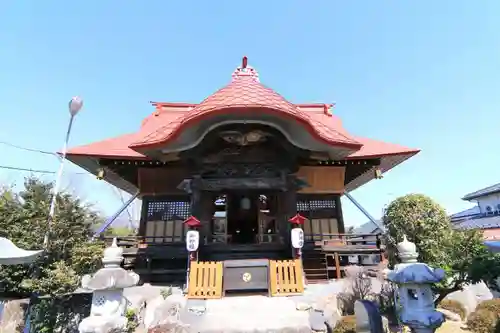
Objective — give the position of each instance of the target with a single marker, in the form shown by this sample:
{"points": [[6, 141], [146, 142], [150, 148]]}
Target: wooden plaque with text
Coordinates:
{"points": [[157, 181], [322, 179]]}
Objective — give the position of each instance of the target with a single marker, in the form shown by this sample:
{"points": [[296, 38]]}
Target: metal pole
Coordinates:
{"points": [[112, 219], [57, 185], [187, 272], [364, 211]]}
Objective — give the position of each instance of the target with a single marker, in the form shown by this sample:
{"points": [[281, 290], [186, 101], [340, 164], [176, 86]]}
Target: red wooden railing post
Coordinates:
{"points": [[192, 243], [298, 235]]}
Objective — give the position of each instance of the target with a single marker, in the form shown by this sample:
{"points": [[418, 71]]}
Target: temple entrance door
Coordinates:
{"points": [[243, 217]]}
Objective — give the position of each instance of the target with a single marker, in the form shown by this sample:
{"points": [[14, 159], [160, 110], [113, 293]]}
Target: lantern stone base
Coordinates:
{"points": [[100, 324]]}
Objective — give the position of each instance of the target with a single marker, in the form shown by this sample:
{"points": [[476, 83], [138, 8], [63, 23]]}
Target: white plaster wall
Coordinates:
{"points": [[492, 200]]}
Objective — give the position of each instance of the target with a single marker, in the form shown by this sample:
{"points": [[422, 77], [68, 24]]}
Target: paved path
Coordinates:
{"points": [[246, 314]]}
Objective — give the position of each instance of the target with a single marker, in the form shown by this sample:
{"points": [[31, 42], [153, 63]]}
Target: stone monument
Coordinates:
{"points": [[368, 318], [108, 303], [413, 293]]}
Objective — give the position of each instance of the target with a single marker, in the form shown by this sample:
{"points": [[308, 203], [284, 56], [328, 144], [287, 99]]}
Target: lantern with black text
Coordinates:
{"points": [[297, 238], [192, 240]]}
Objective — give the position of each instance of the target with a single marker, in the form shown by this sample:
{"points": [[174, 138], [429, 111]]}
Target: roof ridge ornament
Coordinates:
{"points": [[245, 70]]}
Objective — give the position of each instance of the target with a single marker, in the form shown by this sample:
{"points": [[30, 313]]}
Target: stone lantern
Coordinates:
{"points": [[108, 303], [414, 281], [10, 254]]}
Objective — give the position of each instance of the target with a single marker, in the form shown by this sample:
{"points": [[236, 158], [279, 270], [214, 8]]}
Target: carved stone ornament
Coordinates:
{"points": [[111, 276]]}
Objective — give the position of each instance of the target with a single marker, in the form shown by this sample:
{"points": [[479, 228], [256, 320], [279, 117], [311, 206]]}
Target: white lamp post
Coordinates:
{"points": [[10, 254], [74, 106]]}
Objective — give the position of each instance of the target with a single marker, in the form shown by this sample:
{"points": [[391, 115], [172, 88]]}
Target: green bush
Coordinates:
{"points": [[484, 321], [492, 305], [454, 306], [346, 324]]}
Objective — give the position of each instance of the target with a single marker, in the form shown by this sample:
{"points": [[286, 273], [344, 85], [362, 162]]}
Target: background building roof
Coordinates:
{"points": [[483, 192]]}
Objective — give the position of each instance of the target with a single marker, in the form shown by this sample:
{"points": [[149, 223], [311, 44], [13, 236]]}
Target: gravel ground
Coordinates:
{"points": [[452, 327]]}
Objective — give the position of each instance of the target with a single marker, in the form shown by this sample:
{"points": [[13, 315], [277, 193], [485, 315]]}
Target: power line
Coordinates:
{"points": [[35, 171], [24, 169], [28, 149]]}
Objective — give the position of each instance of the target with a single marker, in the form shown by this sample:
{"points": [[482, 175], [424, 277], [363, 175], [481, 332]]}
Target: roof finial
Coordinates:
{"points": [[245, 70]]}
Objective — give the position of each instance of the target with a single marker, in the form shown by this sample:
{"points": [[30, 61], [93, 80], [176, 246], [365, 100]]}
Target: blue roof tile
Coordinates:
{"points": [[367, 228], [480, 222], [483, 192], [470, 212]]}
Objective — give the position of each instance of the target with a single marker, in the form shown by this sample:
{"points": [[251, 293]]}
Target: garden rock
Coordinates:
{"points": [[164, 312], [471, 296], [317, 321], [13, 316], [449, 315], [302, 306], [329, 306]]}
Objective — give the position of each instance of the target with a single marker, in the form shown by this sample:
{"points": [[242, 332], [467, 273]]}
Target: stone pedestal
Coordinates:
{"points": [[108, 304]]}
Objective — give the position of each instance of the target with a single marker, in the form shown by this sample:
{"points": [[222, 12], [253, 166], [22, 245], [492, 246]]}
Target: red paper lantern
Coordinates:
{"points": [[297, 219], [192, 222]]}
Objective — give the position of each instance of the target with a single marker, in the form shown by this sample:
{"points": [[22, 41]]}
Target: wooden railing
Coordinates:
{"points": [[345, 239], [318, 239], [142, 241]]}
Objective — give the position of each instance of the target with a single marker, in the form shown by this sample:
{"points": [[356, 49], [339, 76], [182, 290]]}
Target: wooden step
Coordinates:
{"points": [[318, 281], [315, 274], [158, 271], [315, 269]]}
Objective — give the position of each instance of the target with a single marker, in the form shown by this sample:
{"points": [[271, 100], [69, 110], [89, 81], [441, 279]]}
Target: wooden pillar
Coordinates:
{"points": [[340, 217], [288, 207], [201, 208], [206, 214], [144, 218]]}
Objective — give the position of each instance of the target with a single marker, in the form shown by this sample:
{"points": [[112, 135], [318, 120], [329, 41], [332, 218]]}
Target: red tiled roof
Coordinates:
{"points": [[374, 148], [246, 95], [116, 147], [491, 234], [119, 147]]}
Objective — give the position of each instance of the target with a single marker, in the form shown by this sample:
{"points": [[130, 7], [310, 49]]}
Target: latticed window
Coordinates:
{"points": [[165, 217], [321, 213]]}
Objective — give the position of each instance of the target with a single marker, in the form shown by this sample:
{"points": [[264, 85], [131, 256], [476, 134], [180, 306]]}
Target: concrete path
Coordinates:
{"points": [[246, 314]]}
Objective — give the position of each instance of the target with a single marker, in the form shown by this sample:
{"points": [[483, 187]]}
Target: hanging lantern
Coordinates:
{"points": [[245, 204], [297, 219], [101, 173], [297, 236], [192, 222], [192, 241]]}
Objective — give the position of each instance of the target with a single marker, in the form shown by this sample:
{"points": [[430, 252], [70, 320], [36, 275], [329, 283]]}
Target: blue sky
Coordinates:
{"points": [[424, 74]]}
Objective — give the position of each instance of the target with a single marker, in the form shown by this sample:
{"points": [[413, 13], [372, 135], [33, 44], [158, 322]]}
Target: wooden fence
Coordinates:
{"points": [[286, 277], [205, 280]]}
